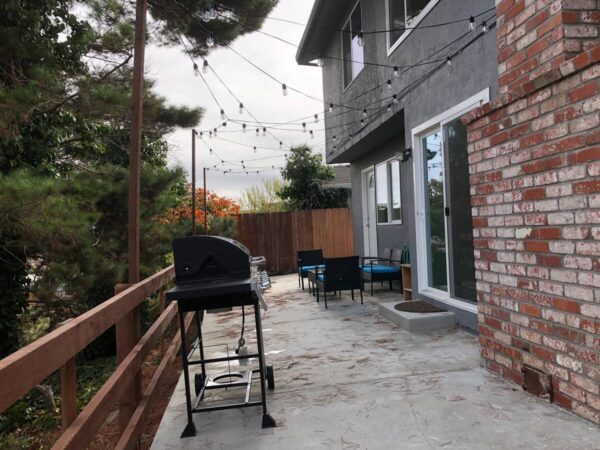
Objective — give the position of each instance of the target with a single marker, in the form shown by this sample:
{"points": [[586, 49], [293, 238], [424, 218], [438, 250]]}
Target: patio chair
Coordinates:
{"points": [[308, 260], [383, 269], [340, 274]]}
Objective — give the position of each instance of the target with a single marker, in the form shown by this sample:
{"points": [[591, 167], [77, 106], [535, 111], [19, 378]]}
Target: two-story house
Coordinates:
{"points": [[397, 77]]}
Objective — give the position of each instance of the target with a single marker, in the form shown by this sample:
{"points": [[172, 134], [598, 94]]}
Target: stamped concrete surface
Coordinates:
{"points": [[348, 379]]}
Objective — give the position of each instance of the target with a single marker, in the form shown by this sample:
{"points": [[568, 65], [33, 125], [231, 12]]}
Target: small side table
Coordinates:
{"points": [[406, 281]]}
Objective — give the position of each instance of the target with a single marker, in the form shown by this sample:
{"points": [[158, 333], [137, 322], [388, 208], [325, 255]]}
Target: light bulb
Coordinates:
{"points": [[360, 41], [210, 41], [303, 127], [280, 145], [395, 97], [205, 66], [331, 107], [196, 70], [257, 171], [312, 135], [350, 136], [284, 89], [316, 118], [389, 84], [222, 115], [334, 138], [241, 108], [362, 121], [396, 72], [212, 12], [210, 151], [215, 132], [201, 135], [389, 108], [264, 131], [206, 15], [364, 113], [471, 23], [257, 131], [244, 128], [254, 149], [484, 26], [210, 134], [449, 61]]}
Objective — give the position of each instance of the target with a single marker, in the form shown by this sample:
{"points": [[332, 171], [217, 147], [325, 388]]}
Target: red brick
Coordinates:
{"points": [[586, 187], [534, 194], [585, 91], [549, 260], [530, 310], [589, 154], [566, 305], [536, 246]]}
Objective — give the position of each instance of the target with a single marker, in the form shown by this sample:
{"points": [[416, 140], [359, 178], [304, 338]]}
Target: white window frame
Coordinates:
{"points": [[342, 33], [365, 193], [436, 123], [389, 191], [392, 46]]}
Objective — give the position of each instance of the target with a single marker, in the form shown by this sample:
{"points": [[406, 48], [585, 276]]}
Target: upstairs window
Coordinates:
{"points": [[403, 14], [352, 52]]}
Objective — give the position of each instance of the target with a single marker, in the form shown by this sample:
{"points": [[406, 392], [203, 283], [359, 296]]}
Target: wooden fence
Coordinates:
{"points": [[278, 236], [57, 351]]}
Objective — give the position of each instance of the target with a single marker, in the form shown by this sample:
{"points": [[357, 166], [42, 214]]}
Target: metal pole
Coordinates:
{"points": [[205, 204], [136, 142], [193, 182]]}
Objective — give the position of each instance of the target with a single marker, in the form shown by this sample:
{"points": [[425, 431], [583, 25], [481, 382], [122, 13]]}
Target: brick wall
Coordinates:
{"points": [[534, 157], [537, 35]]}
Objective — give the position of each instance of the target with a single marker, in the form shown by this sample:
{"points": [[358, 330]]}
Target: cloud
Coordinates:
{"points": [[172, 71]]}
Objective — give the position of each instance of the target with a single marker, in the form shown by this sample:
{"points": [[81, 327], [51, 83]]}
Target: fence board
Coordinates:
{"points": [[278, 236]]}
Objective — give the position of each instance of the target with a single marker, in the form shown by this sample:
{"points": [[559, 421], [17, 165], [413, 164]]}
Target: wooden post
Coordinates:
{"points": [[68, 393], [128, 329], [193, 182]]}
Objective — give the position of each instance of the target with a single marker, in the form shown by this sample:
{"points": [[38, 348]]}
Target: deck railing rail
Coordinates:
{"points": [[57, 351]]}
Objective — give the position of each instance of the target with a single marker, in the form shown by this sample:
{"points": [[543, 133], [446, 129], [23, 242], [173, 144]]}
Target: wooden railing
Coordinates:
{"points": [[57, 351]]}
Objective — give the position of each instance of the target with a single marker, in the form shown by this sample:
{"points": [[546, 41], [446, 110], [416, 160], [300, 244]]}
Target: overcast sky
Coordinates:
{"points": [[175, 80]]}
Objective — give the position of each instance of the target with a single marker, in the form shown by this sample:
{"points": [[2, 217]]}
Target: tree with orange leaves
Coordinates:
{"points": [[221, 212]]}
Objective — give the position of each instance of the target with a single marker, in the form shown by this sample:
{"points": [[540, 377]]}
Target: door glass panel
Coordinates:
{"points": [[381, 180], [434, 211], [396, 200], [460, 220], [396, 19]]}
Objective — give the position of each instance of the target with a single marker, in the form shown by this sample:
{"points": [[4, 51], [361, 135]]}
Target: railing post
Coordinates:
{"points": [[68, 393], [128, 330]]}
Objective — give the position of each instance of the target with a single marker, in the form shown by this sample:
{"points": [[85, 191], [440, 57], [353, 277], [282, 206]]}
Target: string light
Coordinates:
{"points": [[255, 149], [304, 127], [331, 107], [312, 135], [316, 118], [471, 23], [389, 84], [210, 134], [334, 138], [449, 61], [196, 70], [205, 66], [364, 113], [241, 108], [389, 108], [395, 97], [284, 89], [280, 145], [222, 114], [215, 132], [210, 152], [224, 124], [360, 40], [264, 131], [396, 72], [243, 128], [201, 135], [484, 26], [210, 41], [257, 131], [362, 121]]}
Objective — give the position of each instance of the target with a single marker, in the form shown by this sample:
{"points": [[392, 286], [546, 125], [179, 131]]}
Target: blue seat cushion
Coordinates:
{"points": [[305, 269], [380, 268], [321, 277]]}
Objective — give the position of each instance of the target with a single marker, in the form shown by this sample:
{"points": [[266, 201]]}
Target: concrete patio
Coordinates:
{"points": [[348, 379]]}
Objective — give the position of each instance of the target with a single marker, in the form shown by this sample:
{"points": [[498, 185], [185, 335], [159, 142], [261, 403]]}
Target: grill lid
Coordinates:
{"points": [[200, 259]]}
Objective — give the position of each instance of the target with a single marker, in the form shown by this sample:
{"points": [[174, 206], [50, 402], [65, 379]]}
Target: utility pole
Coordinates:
{"points": [[128, 328], [194, 182], [205, 204]]}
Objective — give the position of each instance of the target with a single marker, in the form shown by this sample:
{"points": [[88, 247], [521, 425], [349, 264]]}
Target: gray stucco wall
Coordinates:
{"points": [[473, 70]]}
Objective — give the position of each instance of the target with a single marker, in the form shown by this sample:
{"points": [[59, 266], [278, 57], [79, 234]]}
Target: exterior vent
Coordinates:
{"points": [[537, 383]]}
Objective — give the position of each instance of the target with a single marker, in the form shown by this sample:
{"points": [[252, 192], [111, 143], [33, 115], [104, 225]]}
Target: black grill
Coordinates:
{"points": [[213, 273]]}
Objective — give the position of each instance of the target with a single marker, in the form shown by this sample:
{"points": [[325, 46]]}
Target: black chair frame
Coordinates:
{"points": [[340, 274], [308, 258], [373, 277]]}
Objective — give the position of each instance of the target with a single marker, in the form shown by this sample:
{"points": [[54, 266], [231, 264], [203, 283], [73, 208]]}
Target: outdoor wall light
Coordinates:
{"points": [[406, 155]]}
